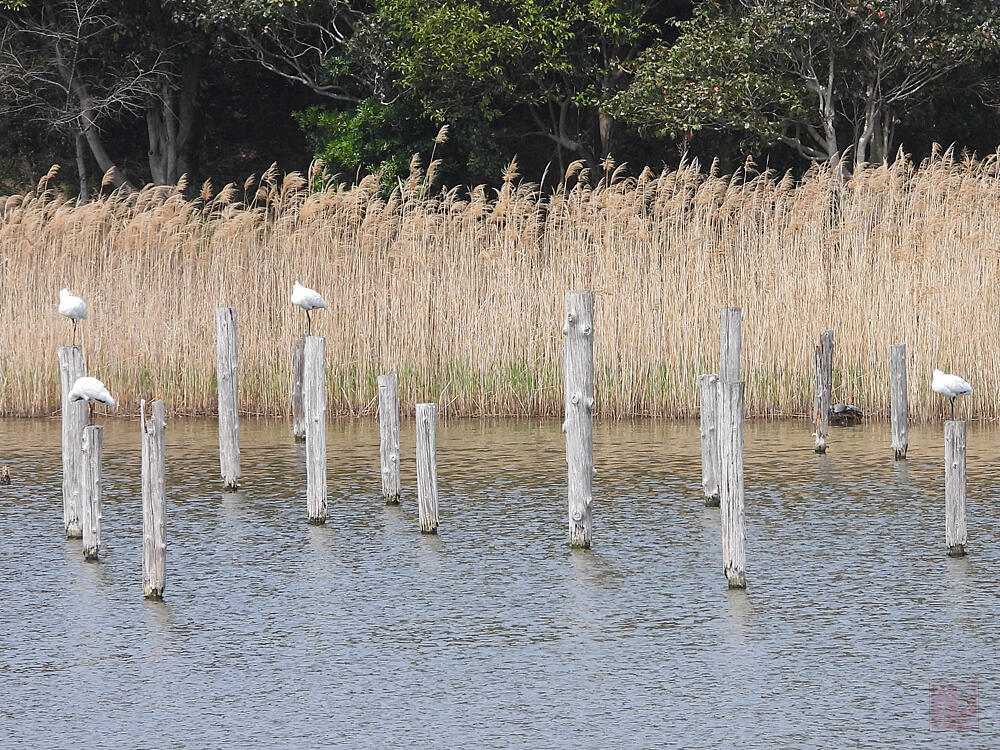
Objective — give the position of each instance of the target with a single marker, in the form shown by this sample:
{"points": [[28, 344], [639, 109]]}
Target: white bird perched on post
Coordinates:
{"points": [[308, 299], [73, 308], [90, 390], [950, 386]]}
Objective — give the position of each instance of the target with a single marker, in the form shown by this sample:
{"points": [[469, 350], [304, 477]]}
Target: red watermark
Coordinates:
{"points": [[954, 706]]}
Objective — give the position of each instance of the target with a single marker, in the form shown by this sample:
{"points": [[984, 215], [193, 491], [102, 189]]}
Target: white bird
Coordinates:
{"points": [[73, 308], [308, 299], [90, 390], [950, 386]]}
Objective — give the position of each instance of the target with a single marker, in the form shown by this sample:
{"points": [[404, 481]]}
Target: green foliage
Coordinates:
{"points": [[371, 138], [818, 76]]}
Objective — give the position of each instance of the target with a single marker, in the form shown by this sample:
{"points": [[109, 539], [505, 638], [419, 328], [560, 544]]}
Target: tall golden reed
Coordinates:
{"points": [[463, 295]]}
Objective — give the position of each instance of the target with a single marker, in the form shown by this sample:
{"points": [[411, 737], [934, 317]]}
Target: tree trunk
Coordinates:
{"points": [[81, 167], [172, 115], [606, 128]]}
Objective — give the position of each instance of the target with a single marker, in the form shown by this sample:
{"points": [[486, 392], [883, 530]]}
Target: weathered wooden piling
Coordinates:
{"points": [[824, 389], [954, 487], [388, 428], [75, 417], [897, 394], [228, 388], [709, 389], [314, 390], [730, 335], [298, 400], [731, 492], [92, 475], [154, 499], [578, 374], [427, 493]]}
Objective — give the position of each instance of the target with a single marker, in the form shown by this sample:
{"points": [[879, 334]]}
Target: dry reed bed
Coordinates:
{"points": [[463, 296]]}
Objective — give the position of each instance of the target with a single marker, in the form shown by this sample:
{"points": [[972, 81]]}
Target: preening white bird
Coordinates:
{"points": [[308, 299], [73, 308], [90, 390], [950, 386]]}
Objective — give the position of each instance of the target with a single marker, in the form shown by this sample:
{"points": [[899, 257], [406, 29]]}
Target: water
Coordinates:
{"points": [[363, 633]]}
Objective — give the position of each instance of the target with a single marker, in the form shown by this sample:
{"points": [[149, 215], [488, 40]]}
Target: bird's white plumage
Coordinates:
{"points": [[306, 298], [90, 389], [949, 385], [71, 306]]}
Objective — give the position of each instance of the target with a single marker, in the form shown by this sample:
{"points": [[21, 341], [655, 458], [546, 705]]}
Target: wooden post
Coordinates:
{"points": [[314, 389], [154, 500], [709, 389], [824, 389], [578, 373], [729, 345], [897, 392], [228, 388], [388, 428], [954, 487], [298, 401], [731, 483], [93, 448], [75, 417], [427, 492]]}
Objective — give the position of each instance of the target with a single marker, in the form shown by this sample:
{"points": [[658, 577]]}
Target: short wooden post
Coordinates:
{"points": [[228, 388], [427, 492], [578, 374], [824, 389], [75, 417], [731, 483], [314, 390], [729, 344], [93, 448], [154, 500], [298, 400], [709, 389], [897, 392], [954, 487], [388, 428]]}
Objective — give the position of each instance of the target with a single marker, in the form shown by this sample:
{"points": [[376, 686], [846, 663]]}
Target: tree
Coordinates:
{"points": [[559, 60], [821, 76], [58, 66]]}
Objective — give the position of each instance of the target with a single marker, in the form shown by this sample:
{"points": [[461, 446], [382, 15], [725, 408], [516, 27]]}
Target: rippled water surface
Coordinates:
{"points": [[363, 633]]}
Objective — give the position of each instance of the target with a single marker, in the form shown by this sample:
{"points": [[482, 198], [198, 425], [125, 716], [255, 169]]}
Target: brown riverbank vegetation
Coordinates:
{"points": [[462, 293]]}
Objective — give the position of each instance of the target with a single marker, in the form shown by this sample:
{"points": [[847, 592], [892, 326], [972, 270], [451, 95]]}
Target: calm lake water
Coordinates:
{"points": [[363, 633]]}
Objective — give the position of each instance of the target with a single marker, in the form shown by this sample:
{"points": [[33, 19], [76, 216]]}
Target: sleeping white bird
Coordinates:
{"points": [[73, 308], [90, 390], [950, 386], [308, 299]]}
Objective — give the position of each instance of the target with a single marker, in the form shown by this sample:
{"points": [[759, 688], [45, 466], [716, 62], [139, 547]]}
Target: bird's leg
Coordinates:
{"points": [[953, 408], [74, 333], [308, 324]]}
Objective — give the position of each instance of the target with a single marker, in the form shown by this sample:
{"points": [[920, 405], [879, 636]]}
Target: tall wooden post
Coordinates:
{"points": [[824, 389], [578, 367], [730, 335], [93, 448], [388, 428], [427, 493], [709, 389], [314, 388], [75, 417], [154, 500], [954, 487], [228, 387], [731, 483], [897, 392], [298, 400]]}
